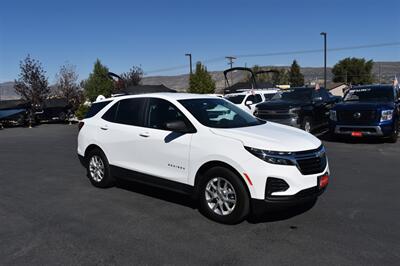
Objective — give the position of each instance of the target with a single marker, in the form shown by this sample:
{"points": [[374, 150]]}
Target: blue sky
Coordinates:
{"points": [[157, 34]]}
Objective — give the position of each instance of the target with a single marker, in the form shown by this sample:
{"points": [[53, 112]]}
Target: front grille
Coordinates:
{"points": [[311, 162], [273, 114], [357, 117], [275, 185]]}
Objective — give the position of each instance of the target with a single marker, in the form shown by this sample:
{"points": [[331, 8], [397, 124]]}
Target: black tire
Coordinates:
{"points": [[107, 180], [62, 116], [307, 124], [242, 206], [393, 138]]}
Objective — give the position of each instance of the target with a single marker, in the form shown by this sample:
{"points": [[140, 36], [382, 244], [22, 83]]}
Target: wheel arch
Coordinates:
{"points": [[90, 148], [215, 163]]}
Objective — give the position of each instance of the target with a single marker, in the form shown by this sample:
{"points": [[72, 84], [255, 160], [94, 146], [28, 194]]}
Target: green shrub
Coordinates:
{"points": [[81, 111]]}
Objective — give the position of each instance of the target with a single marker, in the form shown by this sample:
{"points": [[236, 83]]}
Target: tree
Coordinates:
{"points": [[353, 70], [280, 76], [67, 84], [201, 81], [133, 76], [98, 82], [32, 83], [296, 79]]}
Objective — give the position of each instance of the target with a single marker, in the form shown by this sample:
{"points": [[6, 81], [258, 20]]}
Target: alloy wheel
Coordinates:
{"points": [[96, 168], [220, 196]]}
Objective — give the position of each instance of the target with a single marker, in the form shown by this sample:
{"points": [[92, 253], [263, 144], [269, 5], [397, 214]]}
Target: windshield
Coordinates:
{"points": [[298, 95], [236, 99], [218, 113], [369, 95]]}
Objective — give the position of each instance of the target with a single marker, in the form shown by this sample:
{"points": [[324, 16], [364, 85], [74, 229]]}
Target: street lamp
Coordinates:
{"points": [[324, 34], [190, 62]]}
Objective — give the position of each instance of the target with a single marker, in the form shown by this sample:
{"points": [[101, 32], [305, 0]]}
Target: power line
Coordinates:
{"points": [[220, 59]]}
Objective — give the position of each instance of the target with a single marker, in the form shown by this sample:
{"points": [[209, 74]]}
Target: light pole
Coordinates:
{"points": [[324, 34], [190, 62]]}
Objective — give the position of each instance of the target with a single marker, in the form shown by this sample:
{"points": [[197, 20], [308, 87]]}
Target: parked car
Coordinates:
{"points": [[14, 112], [247, 100], [204, 146], [371, 110], [304, 107], [53, 109]]}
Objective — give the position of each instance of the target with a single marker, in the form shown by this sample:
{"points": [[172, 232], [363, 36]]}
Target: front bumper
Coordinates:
{"points": [[281, 202], [382, 129]]}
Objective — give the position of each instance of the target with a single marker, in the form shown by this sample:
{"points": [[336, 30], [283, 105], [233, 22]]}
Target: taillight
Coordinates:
{"points": [[80, 125]]}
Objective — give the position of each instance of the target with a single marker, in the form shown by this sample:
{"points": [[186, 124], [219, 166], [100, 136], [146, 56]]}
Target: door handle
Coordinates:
{"points": [[144, 134], [104, 128]]}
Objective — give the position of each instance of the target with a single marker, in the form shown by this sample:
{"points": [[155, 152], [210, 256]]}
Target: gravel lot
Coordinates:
{"points": [[51, 214]]}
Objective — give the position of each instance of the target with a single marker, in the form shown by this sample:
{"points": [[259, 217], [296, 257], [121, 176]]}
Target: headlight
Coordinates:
{"points": [[386, 115], [295, 110], [274, 157], [332, 115]]}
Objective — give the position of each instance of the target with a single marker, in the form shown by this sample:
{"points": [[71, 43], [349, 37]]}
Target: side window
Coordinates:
{"points": [[256, 98], [160, 112], [130, 112], [111, 113]]}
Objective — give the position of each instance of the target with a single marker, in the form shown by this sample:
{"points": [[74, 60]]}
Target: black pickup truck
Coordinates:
{"points": [[303, 107]]}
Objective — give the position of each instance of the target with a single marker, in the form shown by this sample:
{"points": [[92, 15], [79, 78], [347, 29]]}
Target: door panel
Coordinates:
{"points": [[164, 153]]}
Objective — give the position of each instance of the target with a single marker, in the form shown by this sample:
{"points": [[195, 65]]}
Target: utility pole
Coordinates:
{"points": [[190, 62], [324, 34], [230, 58]]}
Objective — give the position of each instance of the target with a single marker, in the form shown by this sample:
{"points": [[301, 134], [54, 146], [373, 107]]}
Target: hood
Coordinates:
{"points": [[271, 136], [279, 105], [360, 106]]}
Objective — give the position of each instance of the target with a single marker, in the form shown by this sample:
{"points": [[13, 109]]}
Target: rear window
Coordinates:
{"points": [[95, 108]]}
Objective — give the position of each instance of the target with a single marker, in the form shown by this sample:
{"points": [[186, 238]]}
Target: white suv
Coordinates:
{"points": [[247, 100], [204, 146]]}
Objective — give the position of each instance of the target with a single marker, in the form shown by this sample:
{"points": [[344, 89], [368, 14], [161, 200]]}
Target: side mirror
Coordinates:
{"points": [[178, 126], [249, 103]]}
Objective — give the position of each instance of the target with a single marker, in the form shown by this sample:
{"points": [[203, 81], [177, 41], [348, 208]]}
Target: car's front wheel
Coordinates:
{"points": [[223, 196], [98, 169]]}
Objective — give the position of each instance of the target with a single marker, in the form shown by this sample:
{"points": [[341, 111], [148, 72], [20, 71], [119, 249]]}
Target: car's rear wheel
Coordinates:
{"points": [[307, 124], [98, 169], [223, 196]]}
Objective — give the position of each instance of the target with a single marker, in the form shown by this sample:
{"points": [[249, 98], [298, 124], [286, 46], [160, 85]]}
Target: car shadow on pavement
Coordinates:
{"points": [[282, 214], [187, 201], [158, 193]]}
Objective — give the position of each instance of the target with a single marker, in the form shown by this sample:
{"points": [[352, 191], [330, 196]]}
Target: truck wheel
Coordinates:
{"points": [[307, 124], [393, 138], [62, 117], [98, 169], [223, 196]]}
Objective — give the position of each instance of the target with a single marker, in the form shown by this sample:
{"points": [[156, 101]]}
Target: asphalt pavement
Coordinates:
{"points": [[50, 214]]}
